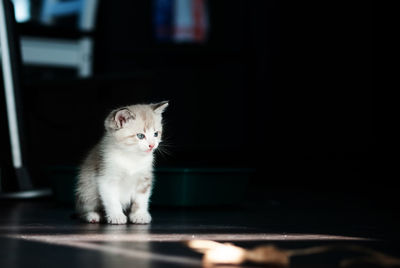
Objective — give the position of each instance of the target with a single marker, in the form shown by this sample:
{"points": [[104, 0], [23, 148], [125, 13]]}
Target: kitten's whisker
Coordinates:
{"points": [[163, 151]]}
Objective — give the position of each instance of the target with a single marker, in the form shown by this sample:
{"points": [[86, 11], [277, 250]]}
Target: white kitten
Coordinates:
{"points": [[116, 176]]}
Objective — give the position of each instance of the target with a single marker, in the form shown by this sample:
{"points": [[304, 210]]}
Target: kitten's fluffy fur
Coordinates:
{"points": [[116, 176]]}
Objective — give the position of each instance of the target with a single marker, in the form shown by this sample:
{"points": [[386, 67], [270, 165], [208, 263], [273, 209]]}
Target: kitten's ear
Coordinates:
{"points": [[119, 118], [159, 108], [122, 116]]}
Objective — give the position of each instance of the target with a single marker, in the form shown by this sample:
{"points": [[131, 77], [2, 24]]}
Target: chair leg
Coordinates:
{"points": [[85, 58]]}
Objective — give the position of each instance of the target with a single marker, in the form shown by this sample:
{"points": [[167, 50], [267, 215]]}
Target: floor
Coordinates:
{"points": [[42, 233]]}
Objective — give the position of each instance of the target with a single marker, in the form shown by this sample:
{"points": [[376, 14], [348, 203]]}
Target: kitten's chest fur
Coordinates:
{"points": [[129, 172], [128, 164]]}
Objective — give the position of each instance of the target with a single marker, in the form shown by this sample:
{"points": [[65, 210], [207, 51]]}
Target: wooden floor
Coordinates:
{"points": [[43, 234]]}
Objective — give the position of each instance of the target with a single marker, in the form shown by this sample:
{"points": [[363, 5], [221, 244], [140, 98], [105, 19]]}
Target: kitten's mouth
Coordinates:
{"points": [[149, 150]]}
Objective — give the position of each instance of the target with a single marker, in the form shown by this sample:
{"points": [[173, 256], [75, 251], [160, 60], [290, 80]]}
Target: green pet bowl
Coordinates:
{"points": [[173, 186], [199, 186]]}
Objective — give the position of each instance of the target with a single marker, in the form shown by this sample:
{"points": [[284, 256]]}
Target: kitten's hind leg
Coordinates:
{"points": [[91, 217], [89, 210]]}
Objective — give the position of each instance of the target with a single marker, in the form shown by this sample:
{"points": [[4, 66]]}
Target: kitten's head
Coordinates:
{"points": [[137, 127]]}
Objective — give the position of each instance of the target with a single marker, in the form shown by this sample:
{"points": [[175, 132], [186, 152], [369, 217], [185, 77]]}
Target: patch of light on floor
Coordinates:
{"points": [[109, 243], [144, 237]]}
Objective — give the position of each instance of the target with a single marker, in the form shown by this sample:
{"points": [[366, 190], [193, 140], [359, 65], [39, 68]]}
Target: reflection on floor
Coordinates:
{"points": [[42, 234]]}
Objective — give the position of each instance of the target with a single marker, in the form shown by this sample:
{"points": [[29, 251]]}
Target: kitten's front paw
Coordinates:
{"points": [[119, 218], [140, 217]]}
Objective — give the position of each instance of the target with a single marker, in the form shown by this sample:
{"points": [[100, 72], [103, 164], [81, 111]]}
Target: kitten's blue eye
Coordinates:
{"points": [[140, 136], [156, 134]]}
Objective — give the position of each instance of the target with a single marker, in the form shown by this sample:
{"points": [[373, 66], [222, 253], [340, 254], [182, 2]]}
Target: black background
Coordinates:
{"points": [[284, 88]]}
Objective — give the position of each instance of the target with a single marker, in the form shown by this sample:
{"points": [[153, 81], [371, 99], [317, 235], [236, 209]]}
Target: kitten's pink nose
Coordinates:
{"points": [[151, 146]]}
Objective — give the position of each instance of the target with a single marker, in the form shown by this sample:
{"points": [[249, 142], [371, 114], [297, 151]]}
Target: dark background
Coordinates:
{"points": [[281, 88]]}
